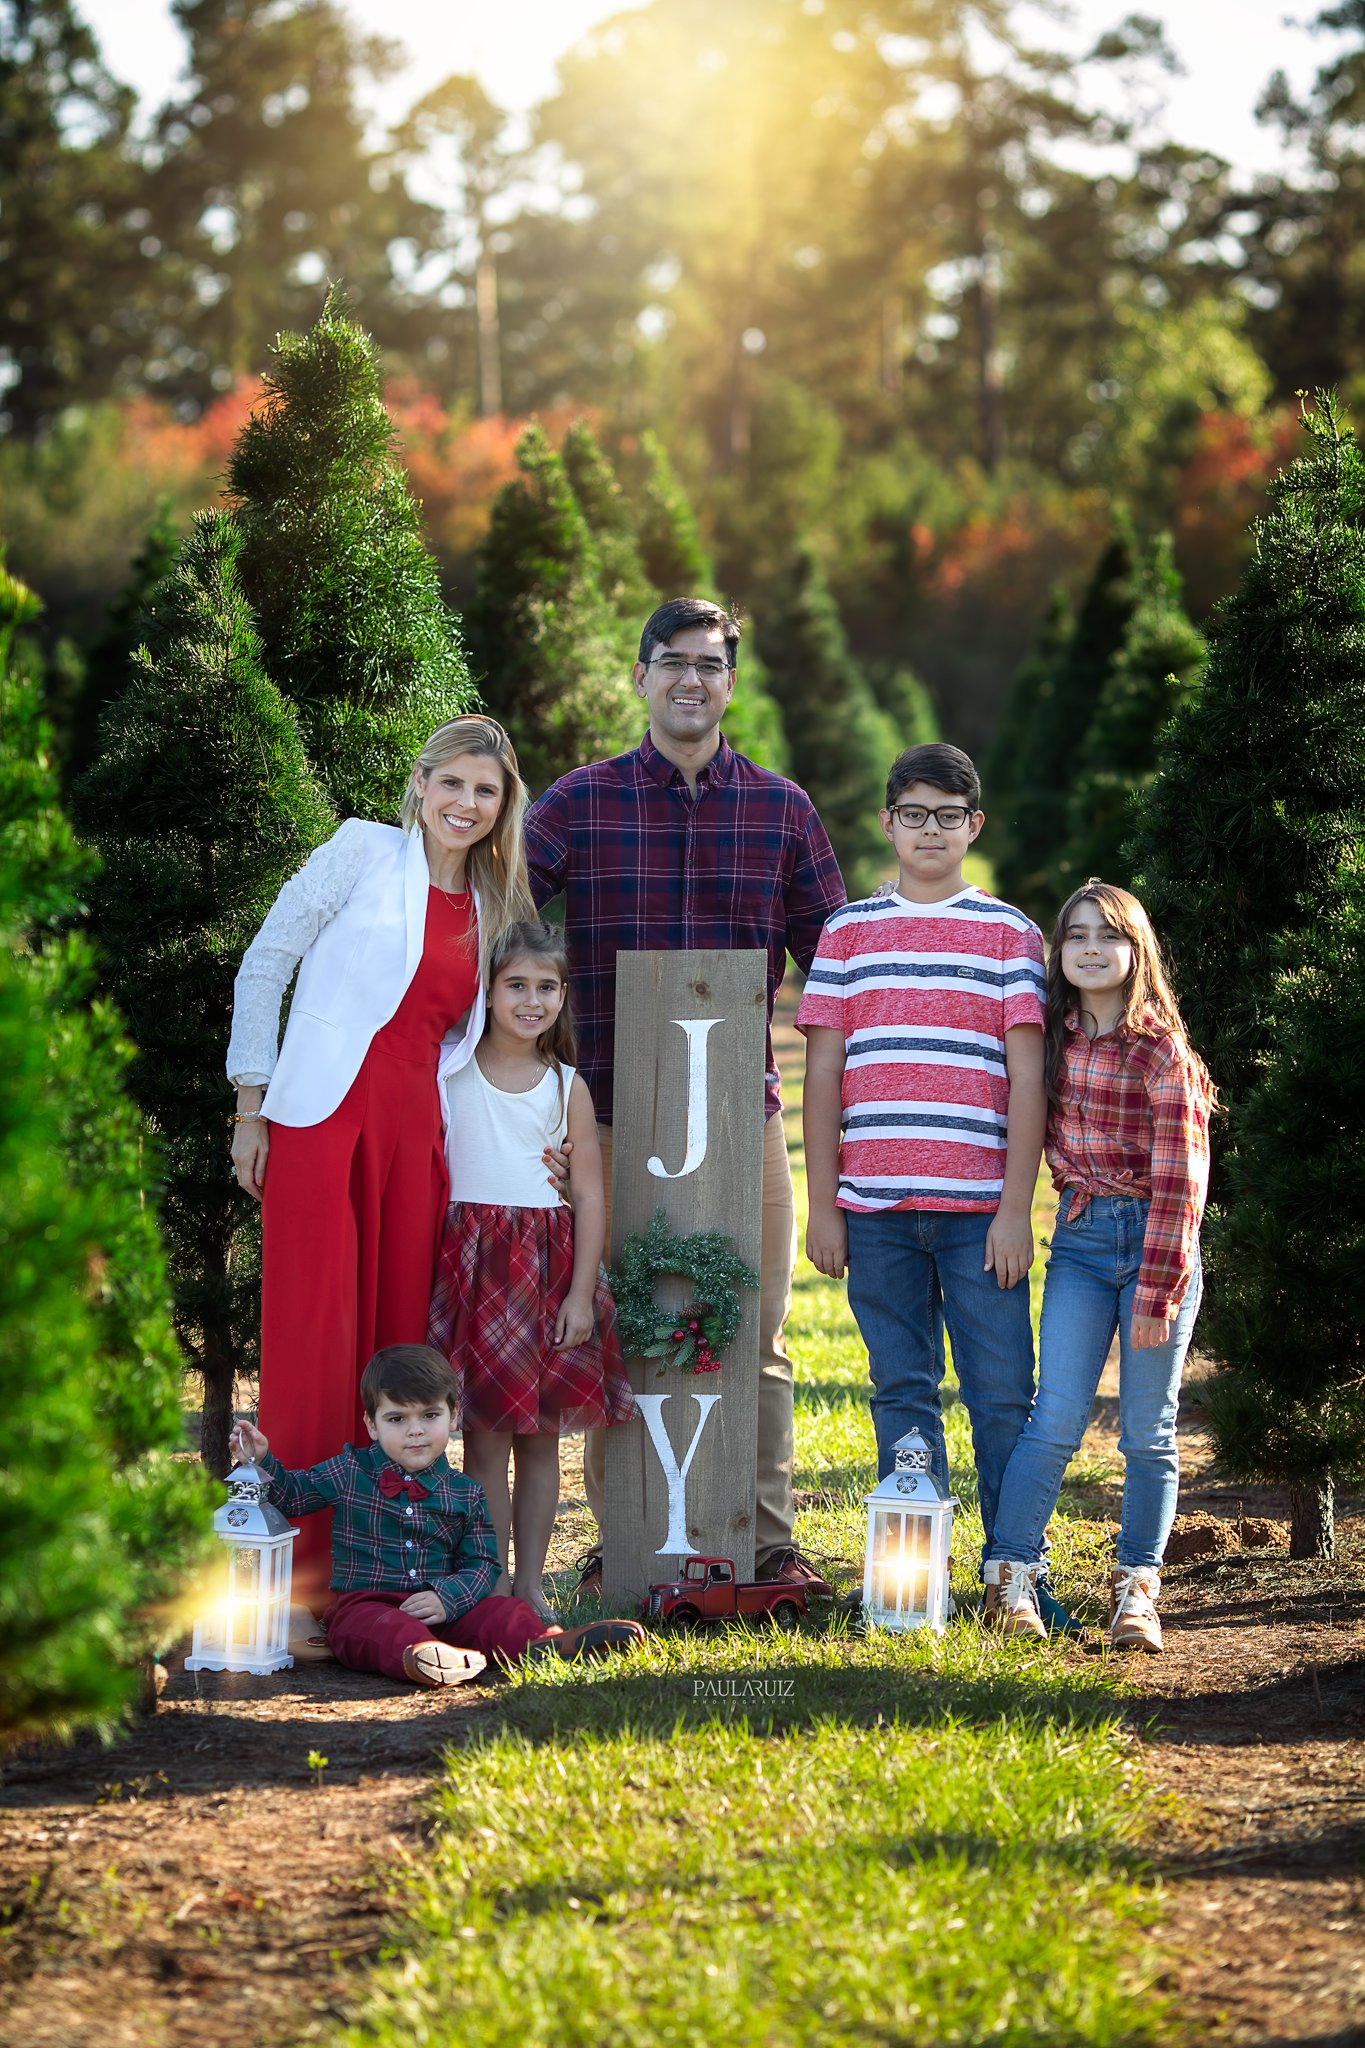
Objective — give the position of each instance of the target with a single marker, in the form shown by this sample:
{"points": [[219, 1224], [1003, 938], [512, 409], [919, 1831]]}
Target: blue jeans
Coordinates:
{"points": [[910, 1271], [1092, 1276]]}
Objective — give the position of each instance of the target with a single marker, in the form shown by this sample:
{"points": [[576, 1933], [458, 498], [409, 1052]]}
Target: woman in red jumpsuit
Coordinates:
{"points": [[339, 1131]]}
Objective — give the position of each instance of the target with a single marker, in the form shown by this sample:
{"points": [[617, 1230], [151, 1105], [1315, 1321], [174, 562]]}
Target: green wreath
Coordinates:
{"points": [[693, 1337]]}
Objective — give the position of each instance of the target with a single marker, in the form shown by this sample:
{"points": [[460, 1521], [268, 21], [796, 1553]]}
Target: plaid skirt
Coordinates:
{"points": [[500, 1281]]}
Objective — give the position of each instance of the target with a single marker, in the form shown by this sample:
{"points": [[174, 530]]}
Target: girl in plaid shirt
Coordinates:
{"points": [[1127, 1140]]}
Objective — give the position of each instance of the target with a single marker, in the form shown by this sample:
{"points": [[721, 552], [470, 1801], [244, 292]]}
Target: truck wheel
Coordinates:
{"points": [[787, 1616], [685, 1617]]}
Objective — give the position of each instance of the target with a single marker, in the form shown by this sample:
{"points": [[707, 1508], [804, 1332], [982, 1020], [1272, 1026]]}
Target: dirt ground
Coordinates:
{"points": [[193, 1883]]}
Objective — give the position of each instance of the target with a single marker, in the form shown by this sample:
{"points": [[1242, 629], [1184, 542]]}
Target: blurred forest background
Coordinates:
{"points": [[886, 290]]}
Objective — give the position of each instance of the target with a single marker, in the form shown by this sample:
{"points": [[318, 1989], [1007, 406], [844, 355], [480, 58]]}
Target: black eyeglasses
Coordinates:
{"points": [[948, 817], [710, 668]]}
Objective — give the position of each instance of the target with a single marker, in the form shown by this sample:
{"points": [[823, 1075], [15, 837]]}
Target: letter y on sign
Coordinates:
{"points": [[651, 1407], [696, 1029]]}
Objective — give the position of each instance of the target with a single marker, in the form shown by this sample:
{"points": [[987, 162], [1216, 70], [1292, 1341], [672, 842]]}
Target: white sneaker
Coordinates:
{"points": [[1133, 1623], [1011, 1603]]}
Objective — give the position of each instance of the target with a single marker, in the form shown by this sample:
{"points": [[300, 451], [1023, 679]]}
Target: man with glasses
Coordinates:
{"points": [[682, 844]]}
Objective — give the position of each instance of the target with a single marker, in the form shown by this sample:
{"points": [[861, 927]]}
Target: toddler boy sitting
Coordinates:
{"points": [[414, 1556]]}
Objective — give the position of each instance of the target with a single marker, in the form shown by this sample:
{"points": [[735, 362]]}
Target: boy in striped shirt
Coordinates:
{"points": [[924, 1113]]}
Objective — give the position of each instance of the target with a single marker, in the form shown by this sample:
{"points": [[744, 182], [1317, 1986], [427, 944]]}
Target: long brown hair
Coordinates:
{"points": [[1148, 998], [530, 940], [497, 863]]}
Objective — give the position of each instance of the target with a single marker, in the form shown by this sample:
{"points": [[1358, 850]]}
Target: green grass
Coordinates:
{"points": [[817, 1839], [823, 1839]]}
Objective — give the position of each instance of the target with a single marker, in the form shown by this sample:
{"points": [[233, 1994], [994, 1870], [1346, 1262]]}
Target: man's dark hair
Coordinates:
{"points": [[405, 1373], [941, 766], [680, 613]]}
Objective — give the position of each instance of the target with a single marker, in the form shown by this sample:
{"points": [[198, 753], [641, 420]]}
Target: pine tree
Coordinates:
{"points": [[1257, 802], [839, 743], [1284, 1312], [1259, 791], [1152, 676], [908, 706], [1064, 706], [1003, 789], [542, 636], [201, 805], [669, 539], [108, 665], [98, 1522], [607, 515], [340, 582]]}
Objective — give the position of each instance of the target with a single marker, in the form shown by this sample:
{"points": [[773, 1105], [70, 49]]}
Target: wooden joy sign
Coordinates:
{"points": [[687, 1138]]}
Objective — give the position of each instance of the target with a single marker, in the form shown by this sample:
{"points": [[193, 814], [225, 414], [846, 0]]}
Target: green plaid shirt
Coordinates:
{"points": [[391, 1543]]}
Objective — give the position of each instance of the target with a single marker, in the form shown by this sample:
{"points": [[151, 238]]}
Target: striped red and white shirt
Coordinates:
{"points": [[1134, 1120], [923, 994]]}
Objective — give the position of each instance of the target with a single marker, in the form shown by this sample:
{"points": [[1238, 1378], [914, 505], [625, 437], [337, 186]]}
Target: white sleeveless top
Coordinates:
{"points": [[494, 1140]]}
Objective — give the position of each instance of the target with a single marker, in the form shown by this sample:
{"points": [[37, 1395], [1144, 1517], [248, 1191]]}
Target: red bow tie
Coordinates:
{"points": [[391, 1482]]}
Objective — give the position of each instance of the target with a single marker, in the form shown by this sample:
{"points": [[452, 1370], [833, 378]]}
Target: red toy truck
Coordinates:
{"points": [[707, 1590]]}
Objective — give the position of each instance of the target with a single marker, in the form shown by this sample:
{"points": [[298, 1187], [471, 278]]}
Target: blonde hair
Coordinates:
{"points": [[1148, 997], [497, 863]]}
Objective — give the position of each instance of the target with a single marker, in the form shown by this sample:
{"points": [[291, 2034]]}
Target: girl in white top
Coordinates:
{"points": [[521, 1306]]}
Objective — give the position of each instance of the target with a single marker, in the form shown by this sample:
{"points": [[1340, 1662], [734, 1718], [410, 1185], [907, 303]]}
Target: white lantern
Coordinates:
{"points": [[248, 1630], [909, 1537]]}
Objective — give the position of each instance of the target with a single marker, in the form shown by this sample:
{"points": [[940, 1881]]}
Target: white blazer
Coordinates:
{"points": [[351, 921]]}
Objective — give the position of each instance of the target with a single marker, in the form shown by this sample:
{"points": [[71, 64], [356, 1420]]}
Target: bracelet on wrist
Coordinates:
{"points": [[249, 1116]]}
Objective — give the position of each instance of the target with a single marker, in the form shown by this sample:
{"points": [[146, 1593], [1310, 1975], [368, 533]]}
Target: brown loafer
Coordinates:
{"points": [[590, 1639], [435, 1664], [790, 1567]]}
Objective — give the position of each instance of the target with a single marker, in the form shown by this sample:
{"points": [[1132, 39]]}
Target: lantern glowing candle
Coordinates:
{"points": [[248, 1629], [909, 1537]]}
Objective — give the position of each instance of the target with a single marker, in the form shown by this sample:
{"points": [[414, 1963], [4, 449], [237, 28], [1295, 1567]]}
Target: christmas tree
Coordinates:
{"points": [[1002, 788], [201, 805], [1259, 794], [342, 586], [1284, 1312], [840, 745], [607, 515], [670, 543], [542, 636], [108, 666], [1064, 705], [98, 1522], [908, 706], [1152, 676]]}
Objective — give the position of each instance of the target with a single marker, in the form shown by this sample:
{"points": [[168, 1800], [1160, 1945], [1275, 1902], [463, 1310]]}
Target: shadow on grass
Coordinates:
{"points": [[774, 1694]]}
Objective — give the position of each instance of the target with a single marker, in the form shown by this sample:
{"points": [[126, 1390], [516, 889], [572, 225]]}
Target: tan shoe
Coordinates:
{"points": [[1133, 1623], [434, 1664], [1011, 1602]]}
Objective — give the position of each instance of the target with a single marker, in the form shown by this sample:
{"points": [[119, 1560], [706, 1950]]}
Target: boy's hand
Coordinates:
{"points": [[827, 1242], [1009, 1246], [1149, 1332], [423, 1607], [574, 1323], [247, 1444]]}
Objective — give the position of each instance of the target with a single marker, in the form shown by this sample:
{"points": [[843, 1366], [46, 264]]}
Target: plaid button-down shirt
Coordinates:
{"points": [[391, 1543], [1134, 1120], [647, 867]]}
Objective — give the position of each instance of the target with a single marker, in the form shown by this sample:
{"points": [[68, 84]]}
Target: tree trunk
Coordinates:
{"points": [[1312, 1524], [218, 1363], [988, 356], [490, 344], [893, 344]]}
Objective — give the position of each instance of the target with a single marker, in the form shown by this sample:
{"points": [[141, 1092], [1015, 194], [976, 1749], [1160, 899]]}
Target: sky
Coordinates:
{"points": [[512, 46]]}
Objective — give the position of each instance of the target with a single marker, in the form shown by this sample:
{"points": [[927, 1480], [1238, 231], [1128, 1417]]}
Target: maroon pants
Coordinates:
{"points": [[368, 1631]]}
